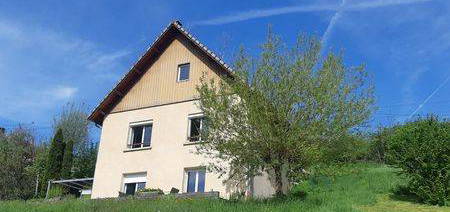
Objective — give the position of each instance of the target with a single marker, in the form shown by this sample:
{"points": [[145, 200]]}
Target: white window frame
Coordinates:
{"points": [[129, 145], [190, 117], [139, 177], [186, 178], [136, 187], [179, 71]]}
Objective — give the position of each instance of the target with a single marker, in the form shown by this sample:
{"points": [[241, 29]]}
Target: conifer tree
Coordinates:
{"points": [[67, 160], [55, 156]]}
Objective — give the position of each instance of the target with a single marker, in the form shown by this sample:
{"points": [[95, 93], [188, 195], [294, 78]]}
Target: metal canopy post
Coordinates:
{"points": [[48, 188]]}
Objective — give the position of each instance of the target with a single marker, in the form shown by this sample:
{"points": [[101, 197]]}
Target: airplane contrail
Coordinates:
{"points": [[261, 13], [330, 27], [429, 97]]}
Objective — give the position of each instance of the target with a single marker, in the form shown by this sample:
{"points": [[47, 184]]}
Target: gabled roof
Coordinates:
{"points": [[173, 30]]}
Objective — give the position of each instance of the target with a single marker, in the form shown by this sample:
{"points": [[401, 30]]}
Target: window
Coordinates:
{"points": [[140, 136], [195, 180], [131, 188], [183, 72], [195, 129], [134, 182]]}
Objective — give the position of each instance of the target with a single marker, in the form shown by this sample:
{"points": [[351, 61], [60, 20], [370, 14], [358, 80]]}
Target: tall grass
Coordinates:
{"points": [[355, 191]]}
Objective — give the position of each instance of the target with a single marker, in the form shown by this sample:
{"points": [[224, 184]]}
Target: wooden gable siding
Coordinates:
{"points": [[159, 83]]}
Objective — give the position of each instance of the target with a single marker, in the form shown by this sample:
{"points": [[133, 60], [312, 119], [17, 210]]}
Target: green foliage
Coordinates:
{"points": [[158, 190], [66, 169], [367, 190], [56, 191], [84, 161], [75, 127], [337, 170], [281, 110], [349, 148], [237, 196], [16, 158], [39, 168], [55, 156], [377, 149], [24, 164], [421, 149], [74, 123]]}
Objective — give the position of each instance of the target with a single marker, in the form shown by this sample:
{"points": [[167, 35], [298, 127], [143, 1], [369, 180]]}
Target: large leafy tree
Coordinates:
{"points": [[281, 109], [39, 167], [16, 158], [84, 162], [74, 124], [79, 161]]}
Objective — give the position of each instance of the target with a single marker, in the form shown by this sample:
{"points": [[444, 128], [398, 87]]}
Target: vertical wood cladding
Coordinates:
{"points": [[159, 83]]}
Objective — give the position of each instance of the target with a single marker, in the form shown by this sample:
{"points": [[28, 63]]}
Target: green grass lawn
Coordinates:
{"points": [[369, 189]]}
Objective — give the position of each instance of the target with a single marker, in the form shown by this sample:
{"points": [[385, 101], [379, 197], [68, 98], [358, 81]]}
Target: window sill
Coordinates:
{"points": [[193, 143], [137, 149]]}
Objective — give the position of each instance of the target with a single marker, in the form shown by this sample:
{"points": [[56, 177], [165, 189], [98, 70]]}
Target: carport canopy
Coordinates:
{"points": [[78, 184]]}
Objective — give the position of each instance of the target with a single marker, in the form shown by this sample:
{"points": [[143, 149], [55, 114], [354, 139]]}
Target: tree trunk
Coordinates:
{"points": [[278, 180]]}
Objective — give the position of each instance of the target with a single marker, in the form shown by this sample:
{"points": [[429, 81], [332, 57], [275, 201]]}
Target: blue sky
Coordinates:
{"points": [[53, 52]]}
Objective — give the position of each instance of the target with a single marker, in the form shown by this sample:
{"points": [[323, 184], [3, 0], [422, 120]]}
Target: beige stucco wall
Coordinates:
{"points": [[262, 186], [164, 162], [158, 97]]}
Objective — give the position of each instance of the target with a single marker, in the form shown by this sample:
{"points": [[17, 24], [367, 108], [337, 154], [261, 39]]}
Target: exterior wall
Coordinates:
{"points": [[262, 187], [159, 83], [164, 162]]}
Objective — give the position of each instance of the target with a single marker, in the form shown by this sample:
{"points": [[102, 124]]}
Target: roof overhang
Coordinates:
{"points": [[173, 30]]}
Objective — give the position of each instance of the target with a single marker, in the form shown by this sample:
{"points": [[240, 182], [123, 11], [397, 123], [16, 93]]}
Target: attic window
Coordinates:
{"points": [[183, 72]]}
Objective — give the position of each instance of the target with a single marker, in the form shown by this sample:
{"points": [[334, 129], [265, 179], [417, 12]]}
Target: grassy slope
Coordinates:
{"points": [[367, 190]]}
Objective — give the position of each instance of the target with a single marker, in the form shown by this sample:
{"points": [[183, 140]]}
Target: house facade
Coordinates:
{"points": [[151, 123]]}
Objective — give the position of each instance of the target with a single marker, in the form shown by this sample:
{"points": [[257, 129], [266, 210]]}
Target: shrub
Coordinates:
{"points": [[349, 148], [16, 160], [378, 144], [236, 196], [158, 190], [56, 191], [422, 149]]}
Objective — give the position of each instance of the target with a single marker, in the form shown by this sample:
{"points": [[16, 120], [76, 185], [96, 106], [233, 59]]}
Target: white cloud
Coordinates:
{"points": [[63, 92], [57, 67], [106, 60], [8, 30], [68, 49]]}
